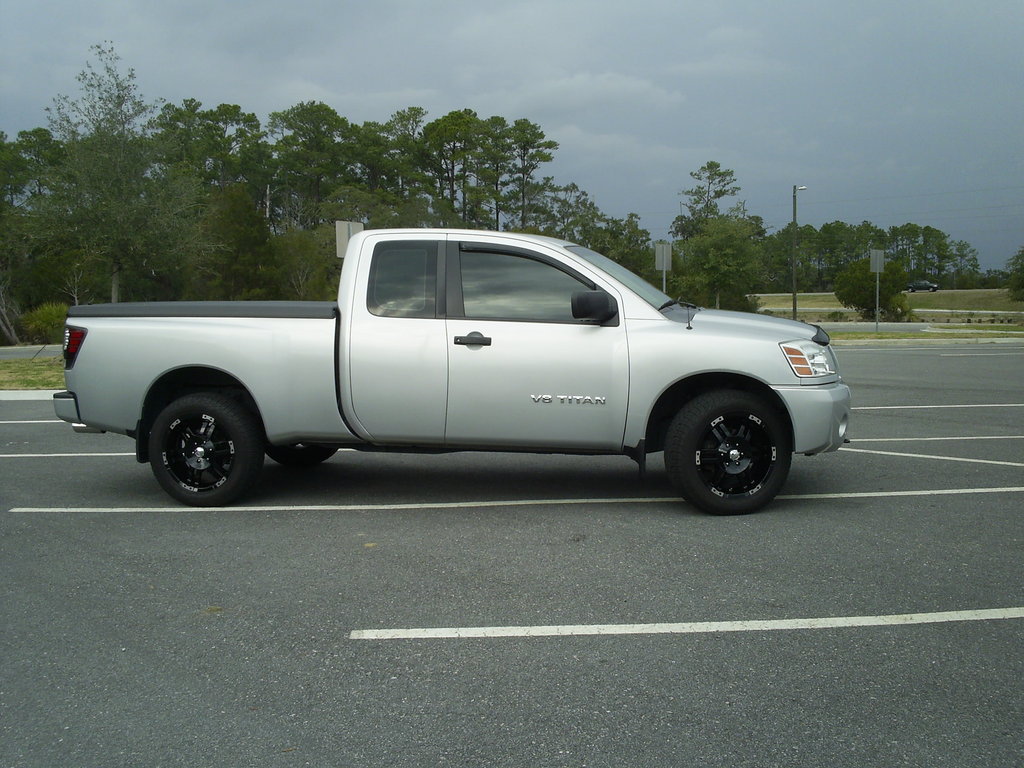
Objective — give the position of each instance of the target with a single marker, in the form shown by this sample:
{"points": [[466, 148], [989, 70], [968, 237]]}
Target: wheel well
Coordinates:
{"points": [[680, 393], [183, 381]]}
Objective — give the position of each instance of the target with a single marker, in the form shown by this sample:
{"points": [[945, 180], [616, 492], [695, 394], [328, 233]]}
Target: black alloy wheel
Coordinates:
{"points": [[728, 452], [206, 449]]}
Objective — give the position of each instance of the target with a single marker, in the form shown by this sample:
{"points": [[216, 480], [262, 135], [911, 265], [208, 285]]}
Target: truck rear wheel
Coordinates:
{"points": [[206, 449], [728, 452]]}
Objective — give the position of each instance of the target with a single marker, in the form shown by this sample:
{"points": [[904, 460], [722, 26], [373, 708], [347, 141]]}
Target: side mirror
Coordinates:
{"points": [[598, 306]]}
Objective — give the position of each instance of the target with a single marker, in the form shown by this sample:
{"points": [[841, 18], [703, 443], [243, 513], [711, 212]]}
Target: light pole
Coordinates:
{"points": [[792, 255]]}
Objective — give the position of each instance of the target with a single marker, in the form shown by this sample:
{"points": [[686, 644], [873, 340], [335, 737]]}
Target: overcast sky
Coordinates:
{"points": [[888, 111]]}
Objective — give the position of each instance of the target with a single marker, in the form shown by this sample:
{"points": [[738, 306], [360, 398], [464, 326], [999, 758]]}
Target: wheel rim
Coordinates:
{"points": [[198, 453], [736, 455]]}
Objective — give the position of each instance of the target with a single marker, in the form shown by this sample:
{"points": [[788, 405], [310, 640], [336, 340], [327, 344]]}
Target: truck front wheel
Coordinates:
{"points": [[728, 452], [205, 449]]}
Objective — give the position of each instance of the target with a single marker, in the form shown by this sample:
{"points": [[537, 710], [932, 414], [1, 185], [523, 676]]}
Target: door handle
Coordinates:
{"points": [[474, 339]]}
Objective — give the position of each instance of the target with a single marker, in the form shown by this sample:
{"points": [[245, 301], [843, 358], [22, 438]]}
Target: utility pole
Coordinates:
{"points": [[792, 256]]}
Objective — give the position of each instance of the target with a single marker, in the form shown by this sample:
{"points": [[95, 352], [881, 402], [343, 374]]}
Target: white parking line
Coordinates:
{"points": [[488, 504], [698, 627], [932, 439], [932, 456], [56, 455], [919, 407], [887, 494]]}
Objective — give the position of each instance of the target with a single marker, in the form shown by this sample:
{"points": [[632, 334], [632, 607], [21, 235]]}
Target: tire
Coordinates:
{"points": [[728, 452], [300, 454], [206, 450]]}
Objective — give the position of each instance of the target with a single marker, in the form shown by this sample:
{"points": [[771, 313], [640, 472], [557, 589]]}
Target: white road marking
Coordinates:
{"points": [[931, 456], [402, 507], [698, 627], [887, 494], [57, 455], [36, 421], [932, 439], [919, 407], [502, 503]]}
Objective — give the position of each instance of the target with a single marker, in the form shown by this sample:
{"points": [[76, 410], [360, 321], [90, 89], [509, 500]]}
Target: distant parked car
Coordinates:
{"points": [[921, 285]]}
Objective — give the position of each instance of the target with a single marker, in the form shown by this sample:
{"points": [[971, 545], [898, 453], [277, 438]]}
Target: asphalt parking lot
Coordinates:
{"points": [[511, 610]]}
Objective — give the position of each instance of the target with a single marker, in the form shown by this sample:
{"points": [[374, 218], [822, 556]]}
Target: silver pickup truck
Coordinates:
{"points": [[449, 340]]}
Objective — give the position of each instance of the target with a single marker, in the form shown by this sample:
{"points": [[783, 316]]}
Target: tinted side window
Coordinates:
{"points": [[403, 280], [501, 286]]}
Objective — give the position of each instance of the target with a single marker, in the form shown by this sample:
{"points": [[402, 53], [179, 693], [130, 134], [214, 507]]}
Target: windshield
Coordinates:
{"points": [[638, 285]]}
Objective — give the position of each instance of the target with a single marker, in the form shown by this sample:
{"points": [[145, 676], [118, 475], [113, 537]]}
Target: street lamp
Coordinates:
{"points": [[792, 256]]}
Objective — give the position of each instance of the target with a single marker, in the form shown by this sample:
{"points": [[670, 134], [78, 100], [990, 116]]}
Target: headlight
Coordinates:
{"points": [[808, 359]]}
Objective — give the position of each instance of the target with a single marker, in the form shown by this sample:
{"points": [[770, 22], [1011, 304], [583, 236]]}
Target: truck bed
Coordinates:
{"points": [[276, 309]]}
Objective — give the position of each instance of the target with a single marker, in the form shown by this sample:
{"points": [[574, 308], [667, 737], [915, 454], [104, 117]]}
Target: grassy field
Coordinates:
{"points": [[977, 301], [958, 333], [41, 373]]}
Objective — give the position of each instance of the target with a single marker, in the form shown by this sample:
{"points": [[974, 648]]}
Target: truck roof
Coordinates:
{"points": [[468, 234]]}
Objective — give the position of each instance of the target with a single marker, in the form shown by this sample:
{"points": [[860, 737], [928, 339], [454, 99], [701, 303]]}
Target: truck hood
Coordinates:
{"points": [[720, 322]]}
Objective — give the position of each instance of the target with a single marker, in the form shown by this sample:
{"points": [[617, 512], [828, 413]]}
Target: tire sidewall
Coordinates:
{"points": [[686, 432], [242, 430]]}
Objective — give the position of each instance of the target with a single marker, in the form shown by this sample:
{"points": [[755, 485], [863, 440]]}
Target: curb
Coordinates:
{"points": [[28, 394]]}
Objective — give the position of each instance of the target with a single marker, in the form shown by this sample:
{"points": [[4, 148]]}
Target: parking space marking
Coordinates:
{"points": [[888, 494], [401, 507], [920, 407], [57, 455], [932, 456], [697, 627], [932, 439], [488, 504]]}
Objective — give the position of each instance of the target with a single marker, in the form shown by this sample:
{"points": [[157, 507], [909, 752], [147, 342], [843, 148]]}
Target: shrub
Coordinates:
{"points": [[45, 323], [855, 288], [1015, 282]]}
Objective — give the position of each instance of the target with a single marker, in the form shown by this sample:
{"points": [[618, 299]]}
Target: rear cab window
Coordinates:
{"points": [[403, 279]]}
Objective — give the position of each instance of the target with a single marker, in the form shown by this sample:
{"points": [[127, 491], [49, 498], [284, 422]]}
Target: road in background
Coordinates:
{"points": [[18, 353]]}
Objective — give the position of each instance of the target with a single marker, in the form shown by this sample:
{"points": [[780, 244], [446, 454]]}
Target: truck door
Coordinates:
{"points": [[522, 372], [397, 351]]}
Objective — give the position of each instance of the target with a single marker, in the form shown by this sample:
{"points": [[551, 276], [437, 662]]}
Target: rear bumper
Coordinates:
{"points": [[820, 416], [65, 405]]}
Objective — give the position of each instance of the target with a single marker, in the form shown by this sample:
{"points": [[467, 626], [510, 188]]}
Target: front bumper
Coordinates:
{"points": [[820, 416]]}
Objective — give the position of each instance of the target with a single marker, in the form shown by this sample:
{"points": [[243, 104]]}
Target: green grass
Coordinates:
{"points": [[930, 335], [978, 301], [41, 373], [775, 301]]}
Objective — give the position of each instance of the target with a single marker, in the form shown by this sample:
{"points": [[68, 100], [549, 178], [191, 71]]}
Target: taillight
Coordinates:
{"points": [[73, 340]]}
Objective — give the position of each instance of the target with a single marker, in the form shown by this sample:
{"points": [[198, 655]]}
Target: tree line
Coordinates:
{"points": [[728, 254], [119, 198]]}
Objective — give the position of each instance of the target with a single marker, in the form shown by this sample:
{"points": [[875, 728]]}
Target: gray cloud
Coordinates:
{"points": [[890, 112]]}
